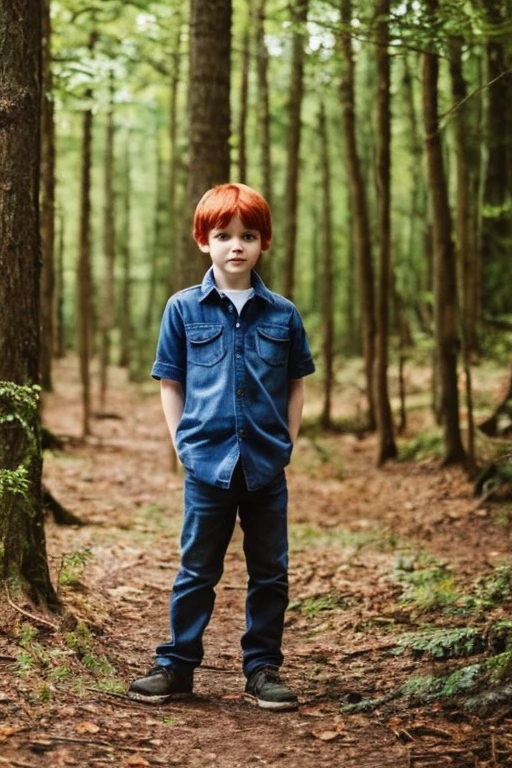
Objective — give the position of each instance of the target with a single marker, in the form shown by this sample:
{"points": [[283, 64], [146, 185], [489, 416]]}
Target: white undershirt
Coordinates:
{"points": [[239, 298]]}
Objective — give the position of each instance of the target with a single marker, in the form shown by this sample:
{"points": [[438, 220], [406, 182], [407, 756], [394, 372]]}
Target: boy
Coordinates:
{"points": [[230, 358]]}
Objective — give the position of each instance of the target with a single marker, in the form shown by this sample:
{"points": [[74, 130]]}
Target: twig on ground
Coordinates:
{"points": [[37, 619]]}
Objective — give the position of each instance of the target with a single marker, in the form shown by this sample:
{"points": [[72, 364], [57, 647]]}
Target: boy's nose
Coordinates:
{"points": [[237, 245]]}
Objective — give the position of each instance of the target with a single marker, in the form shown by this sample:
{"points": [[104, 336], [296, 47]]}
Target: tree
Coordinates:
{"points": [[387, 448], [497, 192], [327, 272], [84, 272], [209, 116], [296, 88], [359, 206], [47, 204], [109, 240], [23, 561], [261, 58], [445, 279]]}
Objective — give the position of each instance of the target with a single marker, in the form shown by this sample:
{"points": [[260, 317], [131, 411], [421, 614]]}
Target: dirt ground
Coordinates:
{"points": [[353, 530]]}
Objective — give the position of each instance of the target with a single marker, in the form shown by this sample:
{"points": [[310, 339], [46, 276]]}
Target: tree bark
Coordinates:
{"points": [[386, 440], [359, 205], [47, 204], [209, 118], [299, 18], [109, 247], [265, 265], [327, 274], [125, 314], [23, 560], [496, 228], [445, 290], [175, 157], [467, 160], [243, 105], [84, 272]]}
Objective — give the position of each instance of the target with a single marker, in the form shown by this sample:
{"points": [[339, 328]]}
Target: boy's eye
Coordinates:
{"points": [[250, 236]]}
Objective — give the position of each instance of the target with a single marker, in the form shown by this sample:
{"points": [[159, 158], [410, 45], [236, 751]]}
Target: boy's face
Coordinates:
{"points": [[234, 251]]}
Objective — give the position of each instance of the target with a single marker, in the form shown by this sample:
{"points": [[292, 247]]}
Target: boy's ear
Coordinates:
{"points": [[204, 248]]}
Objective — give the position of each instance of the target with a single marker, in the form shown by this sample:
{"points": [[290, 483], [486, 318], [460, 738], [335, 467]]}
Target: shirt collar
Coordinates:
{"points": [[260, 289]]}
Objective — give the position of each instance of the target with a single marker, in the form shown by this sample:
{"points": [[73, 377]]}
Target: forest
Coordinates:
{"points": [[380, 133]]}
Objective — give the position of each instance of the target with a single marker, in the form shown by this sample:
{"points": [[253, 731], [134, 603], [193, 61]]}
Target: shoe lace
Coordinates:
{"points": [[268, 675]]}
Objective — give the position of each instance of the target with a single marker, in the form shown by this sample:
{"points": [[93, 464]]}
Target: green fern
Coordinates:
{"points": [[443, 643]]}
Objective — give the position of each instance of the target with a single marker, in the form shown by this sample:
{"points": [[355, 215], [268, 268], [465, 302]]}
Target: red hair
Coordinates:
{"points": [[218, 206]]}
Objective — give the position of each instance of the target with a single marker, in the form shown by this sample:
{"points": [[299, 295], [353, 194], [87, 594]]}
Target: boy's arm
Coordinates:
{"points": [[295, 405], [171, 393]]}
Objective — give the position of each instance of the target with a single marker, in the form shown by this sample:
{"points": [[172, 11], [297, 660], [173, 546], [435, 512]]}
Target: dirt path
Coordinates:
{"points": [[63, 698]]}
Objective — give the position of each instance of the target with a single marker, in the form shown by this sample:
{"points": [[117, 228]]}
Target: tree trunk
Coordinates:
{"points": [[84, 273], [299, 18], [360, 217], [23, 560], [47, 204], [386, 440], [416, 283], [243, 106], [263, 99], [209, 118], [125, 314], [445, 291], [328, 273], [109, 246], [466, 247], [155, 250], [265, 265], [174, 163], [496, 209]]}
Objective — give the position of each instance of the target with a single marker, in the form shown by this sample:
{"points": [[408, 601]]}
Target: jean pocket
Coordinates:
{"points": [[205, 343], [273, 343]]}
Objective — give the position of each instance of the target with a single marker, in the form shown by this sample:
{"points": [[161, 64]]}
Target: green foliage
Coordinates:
{"points": [[98, 665], [311, 607], [25, 664], [313, 536], [169, 721], [496, 588], [443, 643], [26, 634], [72, 566], [426, 583], [425, 689], [425, 445], [18, 406], [80, 640]]}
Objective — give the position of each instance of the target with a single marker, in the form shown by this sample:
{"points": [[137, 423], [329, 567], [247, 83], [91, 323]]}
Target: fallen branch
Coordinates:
{"points": [[36, 619]]}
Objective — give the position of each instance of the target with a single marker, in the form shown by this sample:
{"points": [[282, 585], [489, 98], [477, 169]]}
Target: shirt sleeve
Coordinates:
{"points": [[170, 362], [300, 361]]}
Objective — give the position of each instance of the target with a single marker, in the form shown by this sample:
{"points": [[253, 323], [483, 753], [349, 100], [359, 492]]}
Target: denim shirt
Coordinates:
{"points": [[235, 372]]}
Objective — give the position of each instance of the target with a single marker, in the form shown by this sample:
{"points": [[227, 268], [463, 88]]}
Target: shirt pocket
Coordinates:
{"points": [[205, 343], [273, 343]]}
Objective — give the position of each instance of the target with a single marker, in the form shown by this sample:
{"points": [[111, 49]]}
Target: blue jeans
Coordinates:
{"points": [[210, 517]]}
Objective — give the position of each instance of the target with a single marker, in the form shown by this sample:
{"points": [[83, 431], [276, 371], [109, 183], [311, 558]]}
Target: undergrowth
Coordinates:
{"points": [[480, 686]]}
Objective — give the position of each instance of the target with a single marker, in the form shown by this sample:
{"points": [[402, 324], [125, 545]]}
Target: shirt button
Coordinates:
{"points": [[238, 354], [237, 325], [240, 392]]}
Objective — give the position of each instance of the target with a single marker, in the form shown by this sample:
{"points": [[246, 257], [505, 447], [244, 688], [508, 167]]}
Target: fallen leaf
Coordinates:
{"points": [[138, 761], [6, 731], [87, 727], [326, 735]]}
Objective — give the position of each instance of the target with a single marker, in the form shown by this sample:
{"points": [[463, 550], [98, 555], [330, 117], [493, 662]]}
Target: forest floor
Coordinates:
{"points": [[377, 556]]}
